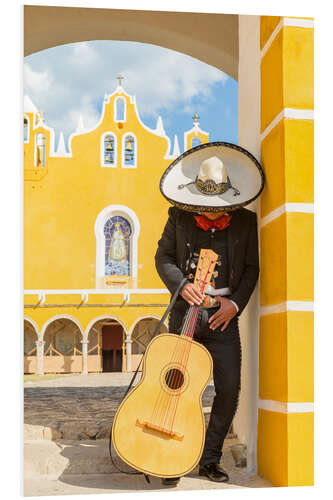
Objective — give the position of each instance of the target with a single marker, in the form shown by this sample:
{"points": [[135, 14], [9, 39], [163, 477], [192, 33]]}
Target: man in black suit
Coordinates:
{"points": [[233, 236]]}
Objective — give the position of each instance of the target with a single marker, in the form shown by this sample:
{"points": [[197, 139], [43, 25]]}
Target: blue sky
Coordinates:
{"points": [[70, 80]]}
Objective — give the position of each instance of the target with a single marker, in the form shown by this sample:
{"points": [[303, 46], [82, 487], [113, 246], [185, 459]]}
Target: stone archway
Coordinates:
{"points": [[211, 38], [62, 347], [106, 339], [30, 347], [141, 335]]}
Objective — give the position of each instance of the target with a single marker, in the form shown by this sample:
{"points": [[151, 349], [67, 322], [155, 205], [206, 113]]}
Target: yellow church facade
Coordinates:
{"points": [[92, 220]]}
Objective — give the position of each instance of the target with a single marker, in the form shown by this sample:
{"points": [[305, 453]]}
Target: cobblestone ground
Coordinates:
{"points": [[78, 407], [81, 408]]}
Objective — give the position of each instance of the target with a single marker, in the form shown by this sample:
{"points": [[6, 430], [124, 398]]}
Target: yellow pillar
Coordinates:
{"points": [[285, 415]]}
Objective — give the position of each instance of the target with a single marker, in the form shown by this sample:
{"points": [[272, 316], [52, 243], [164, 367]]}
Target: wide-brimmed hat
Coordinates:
{"points": [[213, 177]]}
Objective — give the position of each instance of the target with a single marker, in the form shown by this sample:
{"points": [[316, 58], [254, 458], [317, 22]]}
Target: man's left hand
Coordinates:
{"points": [[224, 314]]}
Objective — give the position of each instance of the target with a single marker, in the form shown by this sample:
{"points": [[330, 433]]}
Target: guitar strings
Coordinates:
{"points": [[190, 334], [165, 407], [176, 378], [183, 354], [176, 357], [160, 403]]}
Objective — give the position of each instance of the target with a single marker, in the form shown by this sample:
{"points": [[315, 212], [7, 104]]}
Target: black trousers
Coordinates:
{"points": [[225, 349]]}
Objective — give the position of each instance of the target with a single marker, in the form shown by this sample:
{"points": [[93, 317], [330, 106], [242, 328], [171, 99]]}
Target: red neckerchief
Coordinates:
{"points": [[218, 224]]}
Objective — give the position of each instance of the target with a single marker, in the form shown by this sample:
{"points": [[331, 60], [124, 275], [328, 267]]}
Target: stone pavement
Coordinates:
{"points": [[78, 407], [67, 423], [78, 467]]}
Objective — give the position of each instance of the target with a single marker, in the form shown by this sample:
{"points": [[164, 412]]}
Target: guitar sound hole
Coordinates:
{"points": [[174, 378]]}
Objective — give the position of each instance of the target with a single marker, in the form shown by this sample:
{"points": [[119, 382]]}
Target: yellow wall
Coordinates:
{"points": [[195, 134], [60, 209], [285, 449], [62, 201], [285, 434]]}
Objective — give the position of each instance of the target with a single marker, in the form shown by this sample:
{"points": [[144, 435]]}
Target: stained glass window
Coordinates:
{"points": [[117, 231], [120, 110], [109, 150], [195, 142], [129, 151]]}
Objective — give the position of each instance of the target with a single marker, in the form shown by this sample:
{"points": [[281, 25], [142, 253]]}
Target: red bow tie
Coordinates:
{"points": [[218, 224]]}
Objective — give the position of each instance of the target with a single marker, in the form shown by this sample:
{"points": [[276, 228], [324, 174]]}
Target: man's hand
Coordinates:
{"points": [[224, 314], [192, 294]]}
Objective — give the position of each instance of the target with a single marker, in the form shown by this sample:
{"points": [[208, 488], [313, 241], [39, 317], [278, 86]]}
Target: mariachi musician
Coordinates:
{"points": [[209, 186]]}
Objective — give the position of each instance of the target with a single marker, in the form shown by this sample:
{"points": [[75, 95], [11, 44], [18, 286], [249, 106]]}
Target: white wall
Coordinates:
{"points": [[245, 422]]}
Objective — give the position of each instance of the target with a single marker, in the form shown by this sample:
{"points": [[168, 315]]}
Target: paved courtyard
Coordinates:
{"points": [[78, 407], [67, 423]]}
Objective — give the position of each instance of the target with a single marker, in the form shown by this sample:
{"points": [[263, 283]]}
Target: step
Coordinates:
{"points": [[78, 467], [45, 457], [79, 430]]}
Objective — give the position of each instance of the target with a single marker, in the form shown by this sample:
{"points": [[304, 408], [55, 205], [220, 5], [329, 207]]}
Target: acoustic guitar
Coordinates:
{"points": [[159, 428]]}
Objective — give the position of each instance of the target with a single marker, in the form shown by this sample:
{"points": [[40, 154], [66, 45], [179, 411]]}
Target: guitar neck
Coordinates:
{"points": [[190, 322], [206, 263]]}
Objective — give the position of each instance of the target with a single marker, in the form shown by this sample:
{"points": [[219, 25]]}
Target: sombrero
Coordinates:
{"points": [[213, 177]]}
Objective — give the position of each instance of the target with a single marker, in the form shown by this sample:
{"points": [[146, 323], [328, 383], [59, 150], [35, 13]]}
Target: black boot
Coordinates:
{"points": [[214, 472], [170, 481]]}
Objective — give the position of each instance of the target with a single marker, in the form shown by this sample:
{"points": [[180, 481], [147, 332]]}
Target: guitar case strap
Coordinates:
{"points": [[170, 306]]}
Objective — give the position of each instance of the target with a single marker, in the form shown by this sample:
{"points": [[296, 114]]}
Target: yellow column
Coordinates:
{"points": [[285, 415]]}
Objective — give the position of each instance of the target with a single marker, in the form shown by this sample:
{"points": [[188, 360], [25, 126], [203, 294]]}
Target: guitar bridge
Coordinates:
{"points": [[156, 428]]}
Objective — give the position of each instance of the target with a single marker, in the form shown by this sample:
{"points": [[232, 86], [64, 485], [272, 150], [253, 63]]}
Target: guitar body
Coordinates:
{"points": [[159, 428]]}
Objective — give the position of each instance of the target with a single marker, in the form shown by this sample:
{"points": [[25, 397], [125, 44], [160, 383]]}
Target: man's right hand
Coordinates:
{"points": [[192, 294]]}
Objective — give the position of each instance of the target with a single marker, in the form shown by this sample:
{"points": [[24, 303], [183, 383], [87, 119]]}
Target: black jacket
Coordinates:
{"points": [[178, 240]]}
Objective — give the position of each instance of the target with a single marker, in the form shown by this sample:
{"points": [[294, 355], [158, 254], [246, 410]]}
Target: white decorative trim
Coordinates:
{"points": [[159, 127], [35, 149], [28, 120], [107, 165], [96, 291], [28, 105], [99, 318], [290, 305], [106, 101], [115, 114], [284, 407], [196, 129], [135, 146], [306, 208], [176, 149], [61, 150], [33, 324], [61, 316], [43, 127], [288, 113], [300, 305], [286, 21], [80, 129], [298, 23], [101, 219]]}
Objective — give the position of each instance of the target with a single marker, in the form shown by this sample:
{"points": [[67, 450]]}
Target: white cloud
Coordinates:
{"points": [[84, 54], [70, 80], [36, 82]]}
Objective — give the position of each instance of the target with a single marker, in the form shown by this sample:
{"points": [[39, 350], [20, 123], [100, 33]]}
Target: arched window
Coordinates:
{"points": [[196, 141], [120, 109], [40, 150], [109, 150], [129, 151], [26, 129], [117, 232]]}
